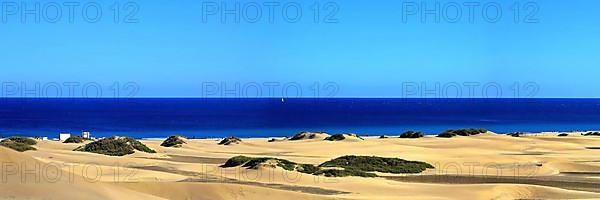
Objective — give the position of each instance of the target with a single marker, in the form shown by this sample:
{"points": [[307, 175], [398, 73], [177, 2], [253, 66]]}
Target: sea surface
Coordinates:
{"points": [[210, 118]]}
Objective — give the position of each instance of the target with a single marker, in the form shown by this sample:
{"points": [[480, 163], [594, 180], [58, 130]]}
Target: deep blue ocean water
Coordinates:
{"points": [[202, 118]]}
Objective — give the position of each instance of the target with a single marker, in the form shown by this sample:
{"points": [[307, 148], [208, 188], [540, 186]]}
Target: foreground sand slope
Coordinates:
{"points": [[193, 172], [26, 181]]}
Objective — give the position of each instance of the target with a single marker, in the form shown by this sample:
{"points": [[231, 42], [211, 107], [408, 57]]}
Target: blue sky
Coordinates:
{"points": [[369, 52]]}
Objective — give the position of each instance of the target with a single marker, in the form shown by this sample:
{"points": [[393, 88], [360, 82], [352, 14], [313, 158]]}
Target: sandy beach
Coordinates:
{"points": [[485, 166]]}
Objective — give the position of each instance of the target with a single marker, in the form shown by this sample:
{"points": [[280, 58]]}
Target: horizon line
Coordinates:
{"points": [[343, 97]]}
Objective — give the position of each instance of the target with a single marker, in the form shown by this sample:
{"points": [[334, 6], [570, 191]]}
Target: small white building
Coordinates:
{"points": [[86, 134], [64, 136]]}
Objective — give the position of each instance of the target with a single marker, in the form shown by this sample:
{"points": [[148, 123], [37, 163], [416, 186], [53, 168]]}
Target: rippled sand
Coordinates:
{"points": [[486, 166]]}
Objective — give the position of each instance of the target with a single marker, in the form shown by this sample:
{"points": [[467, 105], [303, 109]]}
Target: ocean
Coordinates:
{"points": [[211, 118]]}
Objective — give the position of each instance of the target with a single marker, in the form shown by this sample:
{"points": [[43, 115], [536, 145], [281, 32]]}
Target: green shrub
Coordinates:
{"points": [[173, 141], [306, 135], [17, 146], [342, 136], [236, 161], [351, 165], [300, 136], [74, 139], [336, 137], [446, 134], [462, 132], [307, 168], [137, 145], [592, 134], [115, 146], [344, 173], [516, 134], [230, 140], [22, 140], [377, 164], [412, 134], [252, 163], [286, 164]]}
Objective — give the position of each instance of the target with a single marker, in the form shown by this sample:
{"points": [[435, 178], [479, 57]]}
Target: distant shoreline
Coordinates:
{"points": [[544, 133]]}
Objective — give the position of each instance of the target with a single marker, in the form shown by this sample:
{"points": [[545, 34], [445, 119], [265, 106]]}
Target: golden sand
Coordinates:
{"points": [[486, 166]]}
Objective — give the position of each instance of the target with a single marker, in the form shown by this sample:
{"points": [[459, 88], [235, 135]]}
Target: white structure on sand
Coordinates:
{"points": [[86, 134], [64, 136]]}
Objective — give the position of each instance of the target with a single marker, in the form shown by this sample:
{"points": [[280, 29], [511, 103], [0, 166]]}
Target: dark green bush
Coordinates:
{"points": [[342, 136], [412, 134], [306, 135], [516, 134], [351, 165], [377, 164], [22, 140], [446, 134], [344, 173], [236, 161], [462, 132], [286, 164], [17, 146], [230, 140], [115, 146], [137, 145], [252, 163], [173, 141], [592, 134], [336, 137], [307, 168], [74, 139]]}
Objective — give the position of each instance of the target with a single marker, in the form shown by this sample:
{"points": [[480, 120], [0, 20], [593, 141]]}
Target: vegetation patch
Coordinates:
{"points": [[362, 166], [307, 168], [592, 134], [22, 140], [230, 140], [174, 141], [412, 134], [378, 164], [462, 132], [236, 161], [343, 173], [516, 134], [20, 144], [340, 137], [75, 139], [307, 135], [254, 163], [115, 146]]}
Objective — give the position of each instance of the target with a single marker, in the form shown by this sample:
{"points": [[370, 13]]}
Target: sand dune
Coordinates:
{"points": [[499, 164], [26, 181]]}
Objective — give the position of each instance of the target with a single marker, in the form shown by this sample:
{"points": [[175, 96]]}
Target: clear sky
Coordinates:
{"points": [[374, 49]]}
